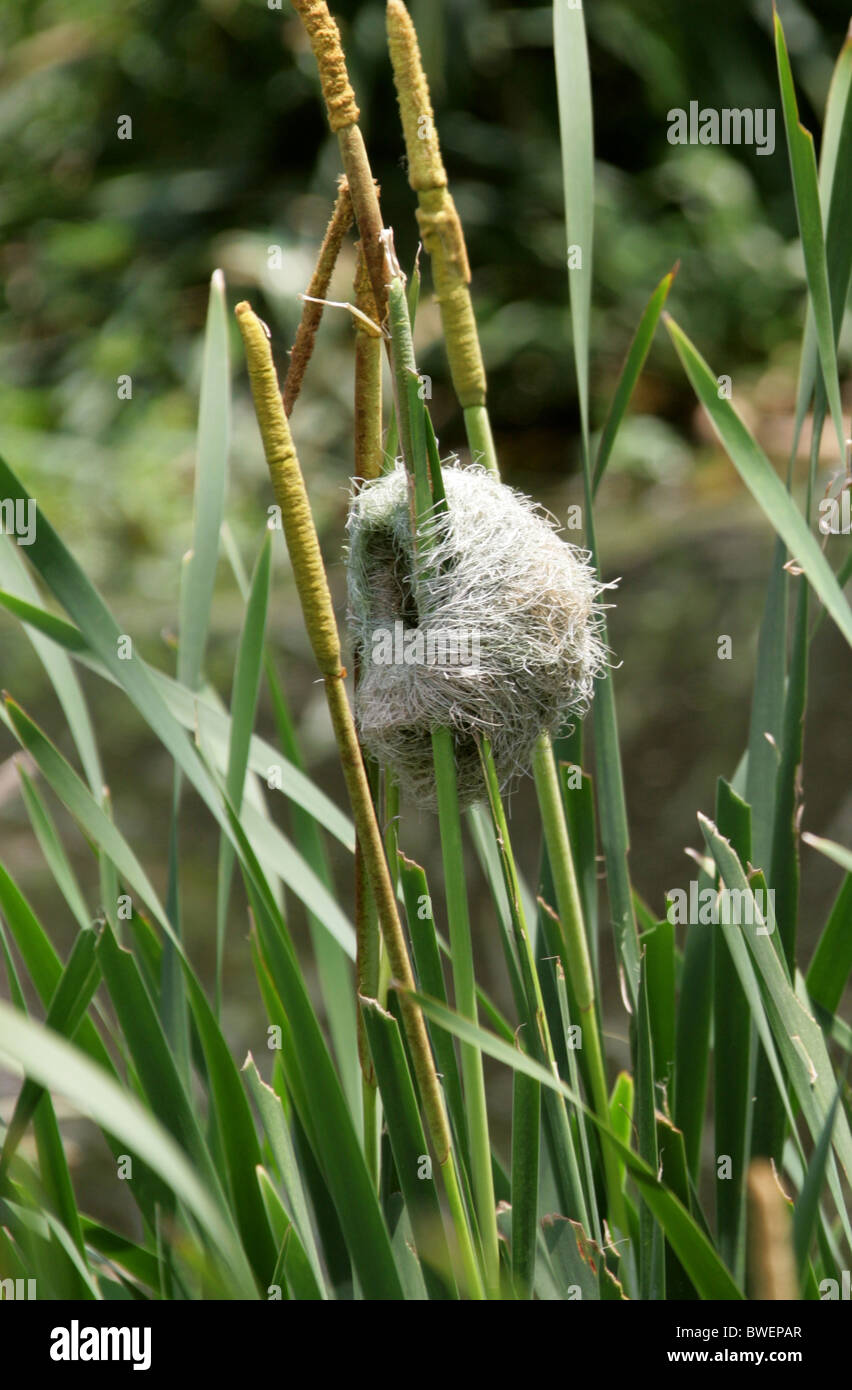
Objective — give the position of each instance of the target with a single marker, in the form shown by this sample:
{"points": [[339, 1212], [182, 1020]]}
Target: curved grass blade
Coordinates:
{"points": [[62, 1068], [409, 1147], [574, 91], [689, 1242], [214, 427], [836, 204], [44, 966], [762, 482], [192, 711], [832, 960], [275, 1124], [16, 581], [337, 1143], [243, 707], [798, 1037], [333, 967], [72, 997], [53, 851], [806, 1215], [630, 373], [803, 167]]}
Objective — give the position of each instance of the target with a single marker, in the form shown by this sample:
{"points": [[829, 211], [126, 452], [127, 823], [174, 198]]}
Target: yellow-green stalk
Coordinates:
{"points": [[312, 586], [442, 233], [303, 344]]}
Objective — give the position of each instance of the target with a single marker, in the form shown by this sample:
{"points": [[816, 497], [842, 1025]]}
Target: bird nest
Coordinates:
{"points": [[489, 626]]}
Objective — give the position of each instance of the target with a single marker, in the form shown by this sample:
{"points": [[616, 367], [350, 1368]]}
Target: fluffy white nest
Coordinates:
{"points": [[492, 627]]}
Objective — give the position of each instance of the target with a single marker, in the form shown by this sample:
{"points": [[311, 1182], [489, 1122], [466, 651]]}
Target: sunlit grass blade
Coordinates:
{"points": [[762, 481], [835, 195], [68, 1275], [243, 705], [15, 580], [214, 428], [281, 1145], [53, 851], [87, 609], [806, 188], [578, 178], [630, 373], [194, 711]]}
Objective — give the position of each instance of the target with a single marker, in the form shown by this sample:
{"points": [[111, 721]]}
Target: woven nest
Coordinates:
{"points": [[491, 626]]}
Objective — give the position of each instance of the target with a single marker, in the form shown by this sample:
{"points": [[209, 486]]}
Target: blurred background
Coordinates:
{"points": [[106, 249]]}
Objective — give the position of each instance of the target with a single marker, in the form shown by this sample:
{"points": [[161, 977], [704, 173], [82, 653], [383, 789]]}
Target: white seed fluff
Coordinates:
{"points": [[508, 617]]}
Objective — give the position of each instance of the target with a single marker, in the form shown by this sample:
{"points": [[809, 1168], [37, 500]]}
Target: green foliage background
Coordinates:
{"points": [[106, 248]]}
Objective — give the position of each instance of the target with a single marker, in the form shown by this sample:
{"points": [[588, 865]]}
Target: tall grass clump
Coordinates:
{"points": [[357, 1160]]}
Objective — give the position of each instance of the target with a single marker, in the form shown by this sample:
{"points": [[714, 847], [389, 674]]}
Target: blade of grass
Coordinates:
{"points": [[798, 1037], [691, 1245], [53, 851], [243, 707], [630, 373], [806, 188], [408, 1143], [62, 1068], [526, 1128], [578, 174], [765, 486], [835, 196], [71, 999], [275, 1125], [191, 711], [214, 426], [16, 581], [831, 964], [806, 1214], [734, 1060]]}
